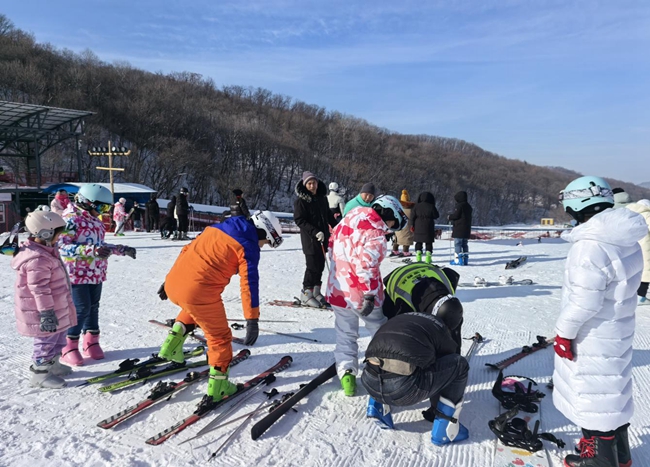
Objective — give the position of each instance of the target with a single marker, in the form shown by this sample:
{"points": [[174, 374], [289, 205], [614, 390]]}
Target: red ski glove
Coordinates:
{"points": [[562, 347]]}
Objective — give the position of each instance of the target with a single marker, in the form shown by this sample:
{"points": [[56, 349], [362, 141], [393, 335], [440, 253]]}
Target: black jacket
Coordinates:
{"points": [[182, 206], [171, 207], [461, 218], [423, 218], [417, 339], [152, 208], [312, 215], [238, 207]]}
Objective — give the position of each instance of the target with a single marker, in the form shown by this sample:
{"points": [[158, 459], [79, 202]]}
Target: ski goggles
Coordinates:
{"points": [[101, 208], [586, 193]]}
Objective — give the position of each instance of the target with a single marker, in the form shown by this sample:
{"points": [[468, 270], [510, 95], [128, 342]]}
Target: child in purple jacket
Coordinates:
{"points": [[43, 302]]}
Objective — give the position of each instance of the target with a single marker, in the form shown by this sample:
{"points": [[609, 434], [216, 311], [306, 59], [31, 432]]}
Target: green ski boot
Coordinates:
{"points": [[427, 258], [418, 256], [172, 348], [219, 386], [349, 383]]}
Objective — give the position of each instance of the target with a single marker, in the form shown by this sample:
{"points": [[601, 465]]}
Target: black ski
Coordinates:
{"points": [[260, 427], [542, 343]]}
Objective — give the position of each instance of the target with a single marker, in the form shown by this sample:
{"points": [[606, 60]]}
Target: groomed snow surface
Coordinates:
{"points": [[58, 427]]}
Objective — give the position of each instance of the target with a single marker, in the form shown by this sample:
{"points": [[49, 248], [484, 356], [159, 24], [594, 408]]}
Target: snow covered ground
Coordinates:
{"points": [[58, 427]]}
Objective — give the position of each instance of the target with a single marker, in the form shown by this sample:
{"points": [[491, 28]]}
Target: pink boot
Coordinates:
{"points": [[90, 346], [70, 353]]}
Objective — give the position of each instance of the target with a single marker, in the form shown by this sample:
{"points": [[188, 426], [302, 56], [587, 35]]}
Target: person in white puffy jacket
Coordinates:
{"points": [[595, 329], [643, 207]]}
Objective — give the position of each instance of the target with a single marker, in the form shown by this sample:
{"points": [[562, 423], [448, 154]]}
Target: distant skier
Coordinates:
{"points": [[152, 213], [168, 225], [60, 202], [239, 207], [43, 301], [643, 207], [404, 237], [423, 225], [364, 199], [314, 219], [461, 219], [412, 358], [425, 288], [354, 287], [182, 214], [119, 216], [197, 280], [595, 329], [336, 201]]}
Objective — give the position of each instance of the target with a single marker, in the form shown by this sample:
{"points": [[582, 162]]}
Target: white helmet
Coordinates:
{"points": [[43, 224], [266, 221], [334, 186], [390, 209]]}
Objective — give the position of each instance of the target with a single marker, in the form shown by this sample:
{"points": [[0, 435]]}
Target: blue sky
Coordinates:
{"points": [[560, 83]]}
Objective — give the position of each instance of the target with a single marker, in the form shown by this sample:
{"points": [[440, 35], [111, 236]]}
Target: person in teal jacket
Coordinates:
{"points": [[364, 199]]}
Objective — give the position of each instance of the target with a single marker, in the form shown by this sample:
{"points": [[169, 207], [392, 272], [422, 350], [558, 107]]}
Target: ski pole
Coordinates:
{"points": [[322, 247], [266, 320], [241, 326], [476, 339]]}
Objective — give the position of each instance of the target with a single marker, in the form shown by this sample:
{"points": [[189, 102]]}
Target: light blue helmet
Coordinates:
{"points": [[390, 209], [586, 195], [93, 195]]}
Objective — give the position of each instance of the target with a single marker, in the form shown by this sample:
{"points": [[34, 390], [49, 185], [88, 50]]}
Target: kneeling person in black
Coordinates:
{"points": [[411, 358]]}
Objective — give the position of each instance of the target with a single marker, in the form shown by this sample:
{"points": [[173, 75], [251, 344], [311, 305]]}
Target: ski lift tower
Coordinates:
{"points": [[109, 151]]}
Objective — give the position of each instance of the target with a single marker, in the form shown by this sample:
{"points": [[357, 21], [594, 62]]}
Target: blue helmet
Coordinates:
{"points": [[586, 195], [93, 196], [390, 209]]}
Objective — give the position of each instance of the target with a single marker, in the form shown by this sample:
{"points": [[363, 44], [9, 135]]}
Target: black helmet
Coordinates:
{"points": [[449, 309]]}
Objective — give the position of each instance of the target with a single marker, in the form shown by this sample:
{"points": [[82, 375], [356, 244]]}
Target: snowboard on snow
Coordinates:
{"points": [[508, 456], [496, 284], [295, 304]]}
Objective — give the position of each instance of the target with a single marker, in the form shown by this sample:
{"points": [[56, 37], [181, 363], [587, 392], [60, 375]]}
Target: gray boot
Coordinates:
{"points": [[42, 376], [307, 299], [59, 369], [319, 296]]}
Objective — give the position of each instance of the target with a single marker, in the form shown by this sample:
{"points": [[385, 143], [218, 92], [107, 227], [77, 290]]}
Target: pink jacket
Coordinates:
{"points": [[78, 245], [59, 204], [119, 213], [357, 247], [42, 284]]}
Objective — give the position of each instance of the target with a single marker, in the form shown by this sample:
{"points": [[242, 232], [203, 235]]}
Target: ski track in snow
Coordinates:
{"points": [[58, 427]]}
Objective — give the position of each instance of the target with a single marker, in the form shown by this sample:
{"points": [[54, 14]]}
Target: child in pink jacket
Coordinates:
{"points": [[43, 302], [354, 288]]}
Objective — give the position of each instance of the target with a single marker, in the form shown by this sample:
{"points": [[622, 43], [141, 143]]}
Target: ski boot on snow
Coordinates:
{"points": [[70, 353], [44, 377], [427, 257], [307, 299], [644, 301], [464, 259], [456, 261], [595, 451], [418, 256], [623, 446], [349, 383], [172, 348], [319, 296], [90, 346], [446, 427], [59, 369], [506, 280], [219, 386], [381, 412]]}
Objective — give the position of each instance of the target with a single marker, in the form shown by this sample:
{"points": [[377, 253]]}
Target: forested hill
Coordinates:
{"points": [[222, 138]]}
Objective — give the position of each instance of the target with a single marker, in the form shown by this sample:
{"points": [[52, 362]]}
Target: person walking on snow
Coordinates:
{"points": [[198, 278], [354, 287], [643, 207], [152, 213], [423, 225], [336, 201], [43, 303], [404, 237], [85, 257], [119, 216], [182, 214], [60, 202], [412, 358], [461, 219], [314, 219], [595, 328], [364, 199]]}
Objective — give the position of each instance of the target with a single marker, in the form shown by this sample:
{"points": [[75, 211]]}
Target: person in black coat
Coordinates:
{"points": [[461, 218], [423, 224], [313, 217], [412, 358], [239, 207], [182, 213], [152, 213], [169, 223]]}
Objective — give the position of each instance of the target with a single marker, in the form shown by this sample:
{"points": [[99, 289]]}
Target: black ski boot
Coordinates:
{"points": [[596, 450], [623, 446]]}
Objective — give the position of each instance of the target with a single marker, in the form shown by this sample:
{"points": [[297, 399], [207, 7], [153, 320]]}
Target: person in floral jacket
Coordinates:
{"points": [[354, 287], [85, 257], [119, 216]]}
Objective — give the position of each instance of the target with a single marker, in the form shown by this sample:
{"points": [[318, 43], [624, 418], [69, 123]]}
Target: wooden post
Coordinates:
{"points": [[110, 152]]}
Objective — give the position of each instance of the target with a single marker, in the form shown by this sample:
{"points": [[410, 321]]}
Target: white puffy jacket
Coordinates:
{"points": [[643, 207], [601, 277]]}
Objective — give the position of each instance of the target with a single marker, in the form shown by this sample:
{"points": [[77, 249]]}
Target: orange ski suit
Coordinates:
{"points": [[201, 273]]}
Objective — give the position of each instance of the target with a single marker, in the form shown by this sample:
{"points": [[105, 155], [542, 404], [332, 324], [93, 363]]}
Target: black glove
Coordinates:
{"points": [[161, 292], [129, 251], [48, 321], [368, 305], [252, 331], [103, 252]]}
